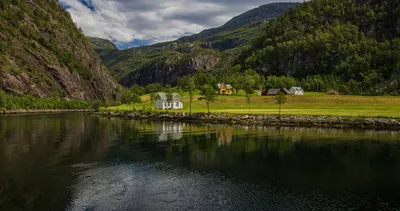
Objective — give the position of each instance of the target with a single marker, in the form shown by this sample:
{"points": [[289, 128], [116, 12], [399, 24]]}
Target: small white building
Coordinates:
{"points": [[162, 101], [296, 91]]}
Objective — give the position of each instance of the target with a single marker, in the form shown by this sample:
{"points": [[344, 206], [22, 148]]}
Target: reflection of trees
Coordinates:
{"points": [[36, 153]]}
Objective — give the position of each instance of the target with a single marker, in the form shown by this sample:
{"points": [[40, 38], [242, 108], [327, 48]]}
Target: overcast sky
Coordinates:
{"points": [[140, 22]]}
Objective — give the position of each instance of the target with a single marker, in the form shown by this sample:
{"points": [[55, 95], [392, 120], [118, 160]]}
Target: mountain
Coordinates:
{"points": [[240, 29], [210, 49], [357, 42], [43, 54], [102, 44]]}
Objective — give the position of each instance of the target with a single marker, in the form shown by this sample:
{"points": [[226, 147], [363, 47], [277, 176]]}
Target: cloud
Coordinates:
{"points": [[150, 21]]}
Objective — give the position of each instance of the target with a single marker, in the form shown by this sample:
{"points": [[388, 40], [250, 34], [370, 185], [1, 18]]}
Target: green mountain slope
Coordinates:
{"points": [[357, 42], [102, 44], [164, 62], [43, 54], [240, 29]]}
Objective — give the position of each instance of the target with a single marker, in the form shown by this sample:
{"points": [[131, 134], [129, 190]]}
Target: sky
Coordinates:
{"points": [[131, 23]]}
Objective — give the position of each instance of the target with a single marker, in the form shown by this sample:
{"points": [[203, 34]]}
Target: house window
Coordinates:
{"points": [[165, 105], [177, 104]]}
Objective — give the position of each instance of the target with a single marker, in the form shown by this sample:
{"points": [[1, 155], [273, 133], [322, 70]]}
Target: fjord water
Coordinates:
{"points": [[83, 162]]}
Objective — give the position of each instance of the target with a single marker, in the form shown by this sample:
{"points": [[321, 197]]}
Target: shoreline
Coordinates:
{"points": [[36, 111], [339, 122]]}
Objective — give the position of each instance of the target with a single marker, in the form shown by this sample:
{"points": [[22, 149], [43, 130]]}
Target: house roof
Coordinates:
{"points": [[275, 91], [297, 88], [175, 96], [228, 86]]}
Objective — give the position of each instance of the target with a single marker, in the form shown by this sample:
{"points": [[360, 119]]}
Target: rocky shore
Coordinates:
{"points": [[266, 120], [44, 111]]}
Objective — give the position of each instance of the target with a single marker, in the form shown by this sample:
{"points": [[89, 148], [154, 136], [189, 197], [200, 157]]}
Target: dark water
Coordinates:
{"points": [[78, 162]]}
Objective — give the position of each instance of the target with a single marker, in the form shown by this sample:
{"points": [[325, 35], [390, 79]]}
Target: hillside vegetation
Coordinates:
{"points": [[211, 49], [355, 43], [43, 54]]}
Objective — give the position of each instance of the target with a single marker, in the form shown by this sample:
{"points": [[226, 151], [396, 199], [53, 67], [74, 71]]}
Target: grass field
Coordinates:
{"points": [[309, 104]]}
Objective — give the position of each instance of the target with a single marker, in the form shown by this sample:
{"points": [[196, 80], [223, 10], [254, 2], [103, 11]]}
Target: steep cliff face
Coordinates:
{"points": [[166, 70], [43, 54]]}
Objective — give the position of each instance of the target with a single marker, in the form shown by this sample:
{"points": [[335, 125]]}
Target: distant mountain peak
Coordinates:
{"points": [[102, 44]]}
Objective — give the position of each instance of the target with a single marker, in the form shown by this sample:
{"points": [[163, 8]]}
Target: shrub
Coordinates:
{"points": [[332, 92]]}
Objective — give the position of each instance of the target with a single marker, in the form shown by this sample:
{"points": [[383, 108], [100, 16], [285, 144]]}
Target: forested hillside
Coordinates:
{"points": [[352, 46], [211, 49], [43, 54]]}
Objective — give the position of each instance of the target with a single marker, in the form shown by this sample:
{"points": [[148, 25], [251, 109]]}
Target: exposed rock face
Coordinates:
{"points": [[43, 54], [166, 71]]}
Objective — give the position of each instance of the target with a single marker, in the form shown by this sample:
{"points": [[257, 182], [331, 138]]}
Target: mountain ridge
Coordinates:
{"points": [[43, 54], [200, 52]]}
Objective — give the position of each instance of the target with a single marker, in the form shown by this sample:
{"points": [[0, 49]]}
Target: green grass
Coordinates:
{"points": [[309, 104]]}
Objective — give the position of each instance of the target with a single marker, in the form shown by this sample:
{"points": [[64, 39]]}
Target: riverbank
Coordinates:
{"points": [[32, 111], [265, 120]]}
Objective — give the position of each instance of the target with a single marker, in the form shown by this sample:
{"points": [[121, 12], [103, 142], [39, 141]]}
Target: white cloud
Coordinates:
{"points": [[154, 20]]}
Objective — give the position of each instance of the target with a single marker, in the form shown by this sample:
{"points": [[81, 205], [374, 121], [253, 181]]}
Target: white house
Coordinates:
{"points": [[162, 101], [296, 91]]}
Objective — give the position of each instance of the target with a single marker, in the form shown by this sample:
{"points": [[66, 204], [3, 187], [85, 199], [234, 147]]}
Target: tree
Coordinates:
{"points": [[188, 84], [209, 94], [96, 105], [280, 99], [130, 98], [248, 88], [169, 93], [135, 98], [106, 103], [152, 90], [3, 100], [138, 90]]}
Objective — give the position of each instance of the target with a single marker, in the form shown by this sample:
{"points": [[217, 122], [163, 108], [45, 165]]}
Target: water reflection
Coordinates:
{"points": [[169, 131], [80, 162]]}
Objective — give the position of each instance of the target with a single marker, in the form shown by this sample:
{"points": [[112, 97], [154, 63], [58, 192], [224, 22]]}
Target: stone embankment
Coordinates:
{"points": [[44, 111], [266, 120]]}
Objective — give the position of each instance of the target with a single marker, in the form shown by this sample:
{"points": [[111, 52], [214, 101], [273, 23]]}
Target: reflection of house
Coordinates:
{"points": [[296, 91], [169, 131], [224, 136], [273, 92], [225, 89], [163, 102]]}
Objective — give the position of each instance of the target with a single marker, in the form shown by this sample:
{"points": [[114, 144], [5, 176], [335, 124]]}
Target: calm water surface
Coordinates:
{"points": [[80, 162]]}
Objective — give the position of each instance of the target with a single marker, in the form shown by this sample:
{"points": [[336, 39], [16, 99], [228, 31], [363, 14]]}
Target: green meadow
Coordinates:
{"points": [[309, 104]]}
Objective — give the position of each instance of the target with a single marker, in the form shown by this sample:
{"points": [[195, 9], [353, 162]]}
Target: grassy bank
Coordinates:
{"points": [[309, 104]]}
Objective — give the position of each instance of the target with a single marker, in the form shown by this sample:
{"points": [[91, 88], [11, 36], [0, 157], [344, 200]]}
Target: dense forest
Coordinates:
{"points": [[352, 46]]}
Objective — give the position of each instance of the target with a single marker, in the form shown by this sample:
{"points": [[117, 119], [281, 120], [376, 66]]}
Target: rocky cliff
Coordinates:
{"points": [[43, 54], [166, 70]]}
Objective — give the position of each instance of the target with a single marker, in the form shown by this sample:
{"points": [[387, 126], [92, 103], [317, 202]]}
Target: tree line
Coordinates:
{"points": [[15, 102]]}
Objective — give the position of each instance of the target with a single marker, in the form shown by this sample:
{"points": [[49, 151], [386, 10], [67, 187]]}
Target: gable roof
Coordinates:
{"points": [[228, 86], [175, 96], [275, 91], [297, 88]]}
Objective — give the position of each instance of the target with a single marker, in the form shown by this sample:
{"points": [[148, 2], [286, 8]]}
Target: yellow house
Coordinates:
{"points": [[225, 89]]}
